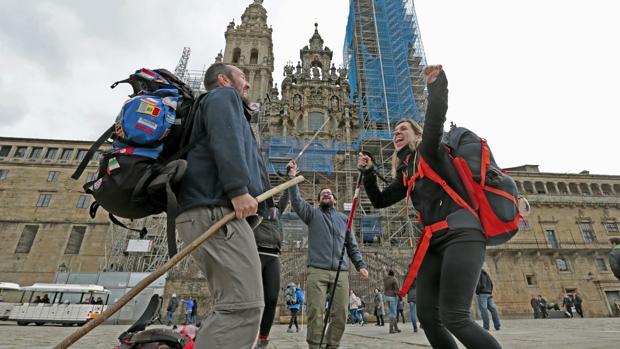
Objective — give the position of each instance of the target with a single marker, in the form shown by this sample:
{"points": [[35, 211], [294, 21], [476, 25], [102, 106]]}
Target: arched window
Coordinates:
{"points": [[528, 187], [254, 56], [551, 189], [236, 55], [540, 188], [562, 188], [574, 189], [595, 189], [606, 189], [584, 188]]}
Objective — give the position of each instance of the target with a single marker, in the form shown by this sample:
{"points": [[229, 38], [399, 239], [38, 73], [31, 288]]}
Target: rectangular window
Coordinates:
{"points": [[531, 280], [600, 264], [75, 240], [562, 264], [612, 227], [81, 154], [20, 152], [51, 153], [66, 154], [36, 152], [98, 156], [91, 176], [588, 233], [53, 176], [5, 150], [3, 174], [552, 240], [27, 239], [44, 200], [315, 121], [83, 201]]}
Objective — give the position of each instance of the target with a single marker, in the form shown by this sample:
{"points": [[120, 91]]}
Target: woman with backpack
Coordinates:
{"points": [[294, 298], [451, 265]]}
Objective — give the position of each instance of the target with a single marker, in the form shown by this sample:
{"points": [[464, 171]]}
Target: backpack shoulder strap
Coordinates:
{"points": [[82, 166]]}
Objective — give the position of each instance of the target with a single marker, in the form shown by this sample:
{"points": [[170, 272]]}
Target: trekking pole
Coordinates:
{"points": [[90, 325], [344, 245]]}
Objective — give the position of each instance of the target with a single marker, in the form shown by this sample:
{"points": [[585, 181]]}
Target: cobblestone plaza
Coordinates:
{"points": [[596, 333]]}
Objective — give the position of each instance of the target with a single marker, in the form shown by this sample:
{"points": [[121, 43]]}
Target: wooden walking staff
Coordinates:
{"points": [[89, 326]]}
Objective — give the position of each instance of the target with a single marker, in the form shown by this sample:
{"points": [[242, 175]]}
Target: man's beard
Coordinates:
{"points": [[326, 205]]}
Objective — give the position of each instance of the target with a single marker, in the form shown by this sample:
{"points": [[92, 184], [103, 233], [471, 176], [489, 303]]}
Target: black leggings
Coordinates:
{"points": [[270, 268], [293, 318], [445, 287]]}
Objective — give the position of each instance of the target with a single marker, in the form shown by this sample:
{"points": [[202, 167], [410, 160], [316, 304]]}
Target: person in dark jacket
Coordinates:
{"points": [[568, 304], [411, 299], [578, 303], [484, 295], [379, 307], [536, 307], [268, 236], [223, 175], [614, 256], [391, 286], [451, 266], [326, 236]]}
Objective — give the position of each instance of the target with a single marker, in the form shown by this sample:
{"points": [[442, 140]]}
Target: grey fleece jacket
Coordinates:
{"points": [[326, 234], [225, 162]]}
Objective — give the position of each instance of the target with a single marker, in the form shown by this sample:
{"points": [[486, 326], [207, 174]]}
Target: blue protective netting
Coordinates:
{"points": [[381, 83]]}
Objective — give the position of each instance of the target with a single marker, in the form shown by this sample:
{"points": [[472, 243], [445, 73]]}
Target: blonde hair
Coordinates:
{"points": [[417, 129]]}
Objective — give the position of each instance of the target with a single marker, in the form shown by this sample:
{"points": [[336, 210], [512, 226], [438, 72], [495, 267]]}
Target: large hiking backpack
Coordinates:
{"points": [[138, 176], [492, 195], [291, 296]]}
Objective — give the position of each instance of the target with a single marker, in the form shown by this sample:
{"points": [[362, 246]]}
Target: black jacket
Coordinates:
{"points": [[614, 261], [485, 285], [268, 234], [225, 162], [429, 198]]}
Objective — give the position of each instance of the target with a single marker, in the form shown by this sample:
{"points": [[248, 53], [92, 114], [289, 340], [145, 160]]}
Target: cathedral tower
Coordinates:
{"points": [[249, 46]]}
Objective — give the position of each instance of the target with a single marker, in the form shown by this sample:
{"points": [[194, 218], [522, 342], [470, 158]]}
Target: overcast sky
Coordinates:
{"points": [[537, 78]]}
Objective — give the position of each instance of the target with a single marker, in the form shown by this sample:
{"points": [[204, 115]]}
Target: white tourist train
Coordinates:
{"points": [[64, 304], [6, 307]]}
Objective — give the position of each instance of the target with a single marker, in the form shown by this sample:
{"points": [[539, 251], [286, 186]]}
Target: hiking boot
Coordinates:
{"points": [[262, 344], [289, 330], [396, 326]]}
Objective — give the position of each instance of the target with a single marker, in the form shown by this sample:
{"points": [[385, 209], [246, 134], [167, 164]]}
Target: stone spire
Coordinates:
{"points": [[249, 46]]}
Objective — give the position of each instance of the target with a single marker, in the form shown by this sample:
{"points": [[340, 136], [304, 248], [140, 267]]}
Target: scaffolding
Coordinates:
{"points": [[385, 56]]}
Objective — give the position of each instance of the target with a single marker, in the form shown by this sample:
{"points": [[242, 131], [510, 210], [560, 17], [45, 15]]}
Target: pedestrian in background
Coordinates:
{"points": [[484, 292], [391, 287], [379, 307], [411, 300], [400, 307], [173, 304]]}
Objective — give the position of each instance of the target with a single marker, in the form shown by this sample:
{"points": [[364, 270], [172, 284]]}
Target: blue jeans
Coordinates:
{"points": [[354, 316], [412, 311], [169, 316], [485, 301], [392, 302]]}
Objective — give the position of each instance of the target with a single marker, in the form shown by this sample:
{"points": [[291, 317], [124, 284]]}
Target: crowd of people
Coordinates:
{"points": [[569, 303], [241, 260]]}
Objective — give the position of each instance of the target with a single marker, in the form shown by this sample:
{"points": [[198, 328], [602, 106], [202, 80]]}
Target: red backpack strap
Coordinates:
{"points": [[420, 252], [425, 170]]}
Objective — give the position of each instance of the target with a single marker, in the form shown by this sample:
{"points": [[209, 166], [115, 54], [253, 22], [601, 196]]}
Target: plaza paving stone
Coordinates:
{"points": [[601, 333]]}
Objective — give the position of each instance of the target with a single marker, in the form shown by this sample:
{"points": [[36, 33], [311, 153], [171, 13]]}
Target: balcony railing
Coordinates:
{"points": [[533, 244]]}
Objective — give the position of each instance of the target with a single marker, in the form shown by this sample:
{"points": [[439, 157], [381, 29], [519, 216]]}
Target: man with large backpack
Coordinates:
{"points": [[294, 298], [223, 175]]}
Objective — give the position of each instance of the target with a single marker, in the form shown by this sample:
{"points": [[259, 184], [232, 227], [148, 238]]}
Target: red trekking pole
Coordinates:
{"points": [[347, 234]]}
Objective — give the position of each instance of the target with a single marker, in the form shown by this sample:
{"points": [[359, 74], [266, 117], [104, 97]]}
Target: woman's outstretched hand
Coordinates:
{"points": [[431, 72]]}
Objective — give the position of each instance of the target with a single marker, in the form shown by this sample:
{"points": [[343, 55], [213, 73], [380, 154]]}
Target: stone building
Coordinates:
{"points": [[44, 223]]}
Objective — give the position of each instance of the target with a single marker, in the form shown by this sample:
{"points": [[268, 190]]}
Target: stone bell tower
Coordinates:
{"points": [[249, 46]]}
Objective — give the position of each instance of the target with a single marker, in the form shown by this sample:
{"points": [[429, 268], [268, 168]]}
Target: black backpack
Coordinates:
{"points": [[139, 176]]}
